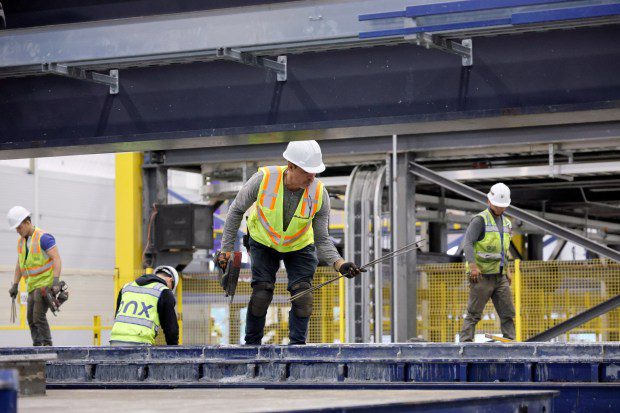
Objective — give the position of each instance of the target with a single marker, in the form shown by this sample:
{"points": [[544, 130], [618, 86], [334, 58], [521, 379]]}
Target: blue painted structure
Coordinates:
{"points": [[516, 15], [586, 375], [9, 387]]}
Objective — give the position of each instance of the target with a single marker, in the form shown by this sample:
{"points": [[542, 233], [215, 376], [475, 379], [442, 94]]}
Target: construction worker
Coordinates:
{"points": [[144, 306], [38, 261], [486, 245], [289, 224]]}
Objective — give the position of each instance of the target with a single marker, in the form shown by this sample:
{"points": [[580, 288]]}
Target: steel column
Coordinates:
{"points": [[404, 284], [154, 191], [535, 247]]}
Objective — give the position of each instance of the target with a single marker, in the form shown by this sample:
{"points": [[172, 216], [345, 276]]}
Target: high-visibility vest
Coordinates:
{"points": [[488, 252], [137, 319], [265, 223], [36, 267]]}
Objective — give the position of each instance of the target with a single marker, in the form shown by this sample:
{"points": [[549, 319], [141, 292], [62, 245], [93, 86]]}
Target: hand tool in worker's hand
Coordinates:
{"points": [[13, 311], [229, 265], [387, 256], [55, 299]]}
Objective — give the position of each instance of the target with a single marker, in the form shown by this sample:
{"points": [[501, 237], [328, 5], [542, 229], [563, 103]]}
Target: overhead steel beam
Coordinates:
{"points": [[518, 213], [187, 37], [578, 320], [568, 169], [428, 139]]}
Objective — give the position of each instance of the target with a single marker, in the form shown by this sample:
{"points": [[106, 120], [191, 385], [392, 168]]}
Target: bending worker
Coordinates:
{"points": [[39, 263], [486, 245], [144, 306], [290, 224]]}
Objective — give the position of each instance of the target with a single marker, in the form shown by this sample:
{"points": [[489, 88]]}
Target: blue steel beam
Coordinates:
{"points": [[519, 18]]}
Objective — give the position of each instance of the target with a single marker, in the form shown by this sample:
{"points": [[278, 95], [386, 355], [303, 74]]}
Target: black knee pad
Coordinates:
{"points": [[302, 307], [262, 293]]}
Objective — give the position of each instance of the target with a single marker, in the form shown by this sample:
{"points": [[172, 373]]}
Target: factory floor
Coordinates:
{"points": [[244, 399]]}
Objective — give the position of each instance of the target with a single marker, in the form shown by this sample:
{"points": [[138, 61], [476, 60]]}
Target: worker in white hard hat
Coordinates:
{"points": [[485, 247], [289, 223], [145, 306], [38, 261]]}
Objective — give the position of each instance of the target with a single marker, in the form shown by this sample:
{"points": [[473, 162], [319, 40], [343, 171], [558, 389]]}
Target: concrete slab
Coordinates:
{"points": [[252, 400]]}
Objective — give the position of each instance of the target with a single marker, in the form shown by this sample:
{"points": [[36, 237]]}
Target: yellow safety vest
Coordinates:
{"points": [[488, 252], [266, 220], [36, 268], [137, 319]]}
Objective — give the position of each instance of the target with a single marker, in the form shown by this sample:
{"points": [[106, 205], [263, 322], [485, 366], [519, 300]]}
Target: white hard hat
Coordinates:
{"points": [[17, 215], [170, 272], [305, 154], [499, 195]]}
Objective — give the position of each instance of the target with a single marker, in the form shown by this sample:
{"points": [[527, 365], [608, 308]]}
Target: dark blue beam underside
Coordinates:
{"points": [[528, 73]]}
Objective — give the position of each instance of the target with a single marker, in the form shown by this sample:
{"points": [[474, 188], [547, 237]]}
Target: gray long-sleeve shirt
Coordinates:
{"points": [[475, 232], [248, 194]]}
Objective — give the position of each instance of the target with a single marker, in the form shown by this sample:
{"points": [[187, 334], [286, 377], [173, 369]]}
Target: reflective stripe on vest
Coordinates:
{"points": [[137, 319], [36, 267], [488, 251], [265, 222]]}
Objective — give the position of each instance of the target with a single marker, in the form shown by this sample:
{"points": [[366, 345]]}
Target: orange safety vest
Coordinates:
{"points": [[266, 220], [37, 267]]}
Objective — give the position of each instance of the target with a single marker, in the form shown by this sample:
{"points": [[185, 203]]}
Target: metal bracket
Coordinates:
{"points": [[465, 48], [279, 66], [78, 73], [552, 152]]}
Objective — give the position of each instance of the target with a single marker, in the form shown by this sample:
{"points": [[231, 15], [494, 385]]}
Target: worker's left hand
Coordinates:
{"points": [[350, 269], [56, 285], [222, 259]]}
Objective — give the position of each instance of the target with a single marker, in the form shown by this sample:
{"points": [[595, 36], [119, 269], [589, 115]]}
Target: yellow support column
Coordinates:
{"points": [[179, 294], [341, 316], [517, 286], [96, 330], [519, 242], [128, 185]]}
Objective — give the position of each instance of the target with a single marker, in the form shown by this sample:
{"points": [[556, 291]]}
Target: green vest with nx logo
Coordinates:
{"points": [[137, 319]]}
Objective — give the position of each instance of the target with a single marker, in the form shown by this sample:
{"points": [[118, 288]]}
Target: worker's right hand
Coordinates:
{"points": [[350, 269], [222, 259], [13, 290], [474, 273]]}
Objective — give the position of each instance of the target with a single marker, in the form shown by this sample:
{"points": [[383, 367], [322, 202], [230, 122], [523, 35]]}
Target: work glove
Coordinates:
{"points": [[474, 274], [56, 286], [13, 291], [222, 259], [350, 269]]}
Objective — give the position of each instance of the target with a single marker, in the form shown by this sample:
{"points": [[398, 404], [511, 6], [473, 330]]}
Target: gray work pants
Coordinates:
{"points": [[37, 319], [497, 288]]}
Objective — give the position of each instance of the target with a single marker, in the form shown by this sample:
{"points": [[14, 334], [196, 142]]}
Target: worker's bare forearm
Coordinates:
{"points": [[18, 274], [56, 261], [325, 249]]}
